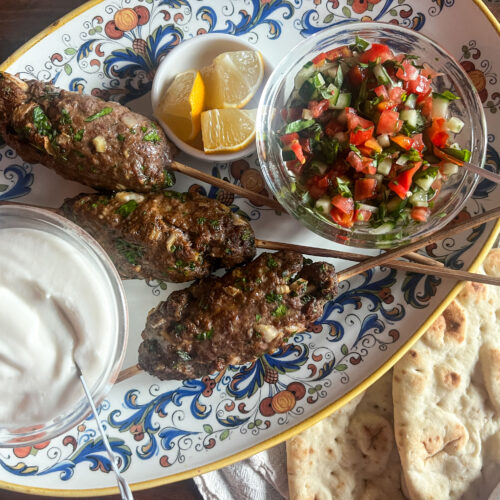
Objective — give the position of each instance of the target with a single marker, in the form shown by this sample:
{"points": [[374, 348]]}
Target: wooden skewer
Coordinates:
{"points": [[492, 176], [370, 262], [228, 186], [390, 255]]}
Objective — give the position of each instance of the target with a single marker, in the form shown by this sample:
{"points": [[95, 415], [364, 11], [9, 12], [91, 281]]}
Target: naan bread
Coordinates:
{"points": [[350, 454], [446, 393], [446, 411]]}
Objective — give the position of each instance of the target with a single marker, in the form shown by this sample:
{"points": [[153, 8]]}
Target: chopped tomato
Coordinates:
{"points": [[365, 151], [437, 133], [418, 143], [409, 72], [368, 166], [295, 166], [318, 108], [421, 86], [420, 214], [319, 59], [354, 121], [289, 138], [316, 192], [332, 127], [396, 95], [388, 122], [403, 141], [377, 51], [342, 219], [426, 108], [334, 54], [291, 114], [355, 161], [361, 215], [436, 186], [364, 189], [360, 135], [305, 142], [356, 75], [297, 149], [381, 91], [345, 205], [402, 183]]}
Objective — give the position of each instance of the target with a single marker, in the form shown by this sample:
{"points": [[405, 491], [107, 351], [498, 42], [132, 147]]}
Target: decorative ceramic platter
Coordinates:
{"points": [[165, 431]]}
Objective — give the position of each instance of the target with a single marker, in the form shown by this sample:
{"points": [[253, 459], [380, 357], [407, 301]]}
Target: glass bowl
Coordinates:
{"points": [[23, 433], [455, 191]]}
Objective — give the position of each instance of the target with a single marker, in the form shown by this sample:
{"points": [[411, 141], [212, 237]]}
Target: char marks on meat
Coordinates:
{"points": [[167, 236], [236, 318], [83, 138]]}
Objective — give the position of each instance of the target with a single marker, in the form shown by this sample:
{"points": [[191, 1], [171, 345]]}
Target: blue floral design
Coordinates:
{"points": [[20, 179], [260, 14]]}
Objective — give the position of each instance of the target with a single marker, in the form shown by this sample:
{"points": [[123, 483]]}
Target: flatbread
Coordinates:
{"points": [[350, 454], [445, 413], [446, 393]]}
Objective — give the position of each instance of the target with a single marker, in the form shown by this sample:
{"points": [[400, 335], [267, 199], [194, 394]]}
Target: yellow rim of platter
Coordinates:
{"points": [[152, 483]]}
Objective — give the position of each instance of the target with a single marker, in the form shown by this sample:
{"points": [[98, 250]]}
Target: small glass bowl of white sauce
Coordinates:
{"points": [[60, 299]]}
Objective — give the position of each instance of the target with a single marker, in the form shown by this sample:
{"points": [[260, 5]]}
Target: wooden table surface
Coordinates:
{"points": [[19, 21]]}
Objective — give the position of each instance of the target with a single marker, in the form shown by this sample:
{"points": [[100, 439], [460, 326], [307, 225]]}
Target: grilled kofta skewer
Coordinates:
{"points": [[170, 236], [236, 318], [83, 138]]}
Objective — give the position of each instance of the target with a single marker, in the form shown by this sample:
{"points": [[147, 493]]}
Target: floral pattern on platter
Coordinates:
{"points": [[113, 54]]}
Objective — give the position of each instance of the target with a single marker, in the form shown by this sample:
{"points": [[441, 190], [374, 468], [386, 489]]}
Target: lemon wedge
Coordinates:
{"points": [[232, 79], [227, 130], [183, 103]]}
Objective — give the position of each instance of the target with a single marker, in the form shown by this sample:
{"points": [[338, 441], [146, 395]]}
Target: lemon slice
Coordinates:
{"points": [[226, 130], [232, 79], [183, 103]]}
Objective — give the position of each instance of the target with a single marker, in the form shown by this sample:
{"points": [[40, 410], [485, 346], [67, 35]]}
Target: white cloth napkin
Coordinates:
{"points": [[260, 477]]}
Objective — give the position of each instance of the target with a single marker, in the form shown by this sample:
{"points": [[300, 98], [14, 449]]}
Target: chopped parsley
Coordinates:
{"points": [[258, 317], [120, 137], [152, 136], [201, 220], [273, 297], [205, 335], [104, 111], [127, 208], [78, 135], [271, 263], [132, 252], [65, 117], [42, 123], [280, 311]]}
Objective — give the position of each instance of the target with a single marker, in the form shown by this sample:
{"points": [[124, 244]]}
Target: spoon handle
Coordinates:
{"points": [[125, 491]]}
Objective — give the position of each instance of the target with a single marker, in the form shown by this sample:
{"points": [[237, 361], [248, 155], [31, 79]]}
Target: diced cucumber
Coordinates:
{"points": [[368, 208], [288, 155], [334, 95], [384, 166], [343, 101], [318, 81], [455, 125], [339, 78], [395, 204], [304, 74], [323, 205], [384, 140], [410, 116], [419, 199], [403, 159], [425, 179], [378, 177], [439, 107], [411, 101], [381, 75], [385, 228], [449, 168], [307, 114]]}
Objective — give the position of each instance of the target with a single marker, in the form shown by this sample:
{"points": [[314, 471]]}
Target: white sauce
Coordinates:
{"points": [[53, 303]]}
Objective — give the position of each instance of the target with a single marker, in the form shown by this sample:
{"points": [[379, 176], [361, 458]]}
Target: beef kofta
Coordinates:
{"points": [[83, 138], [168, 236], [234, 319]]}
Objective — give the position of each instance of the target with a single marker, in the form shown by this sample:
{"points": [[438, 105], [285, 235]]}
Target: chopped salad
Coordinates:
{"points": [[360, 126]]}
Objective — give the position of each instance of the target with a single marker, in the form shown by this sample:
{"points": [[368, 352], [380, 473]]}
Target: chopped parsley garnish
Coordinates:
{"points": [[273, 297], [201, 220], [42, 123], [152, 136], [169, 179], [258, 317], [127, 208], [132, 252], [359, 44], [280, 311], [271, 263], [343, 187], [449, 96], [104, 111], [120, 137], [65, 117], [205, 335], [78, 135]]}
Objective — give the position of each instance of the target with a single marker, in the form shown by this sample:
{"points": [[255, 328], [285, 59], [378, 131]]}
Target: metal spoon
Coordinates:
{"points": [[125, 491]]}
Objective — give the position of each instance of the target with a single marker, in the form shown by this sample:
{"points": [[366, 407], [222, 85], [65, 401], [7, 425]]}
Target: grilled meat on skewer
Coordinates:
{"points": [[236, 318], [83, 138], [170, 236]]}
